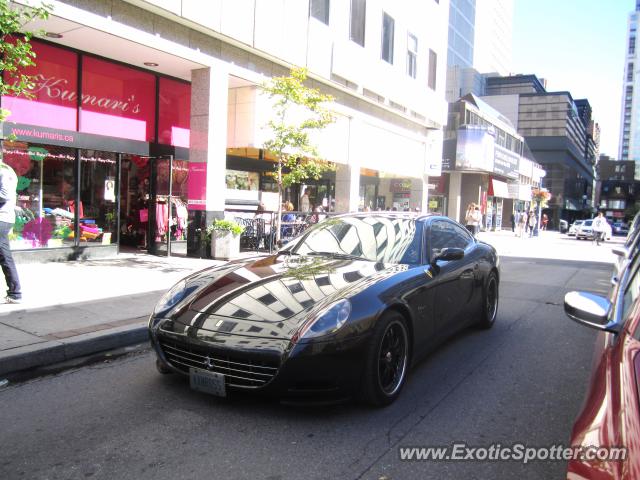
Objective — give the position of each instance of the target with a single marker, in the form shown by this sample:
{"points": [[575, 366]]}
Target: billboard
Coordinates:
{"points": [[475, 150]]}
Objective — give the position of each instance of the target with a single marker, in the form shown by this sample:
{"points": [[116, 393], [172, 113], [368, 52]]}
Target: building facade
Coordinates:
{"points": [[557, 135], [618, 191], [148, 119], [629, 148], [484, 163]]}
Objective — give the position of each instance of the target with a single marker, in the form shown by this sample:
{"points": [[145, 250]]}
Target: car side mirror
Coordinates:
{"points": [[448, 254], [591, 310], [620, 251]]}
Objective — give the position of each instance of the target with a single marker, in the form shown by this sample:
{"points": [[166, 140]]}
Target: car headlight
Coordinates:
{"points": [[171, 298], [328, 320]]}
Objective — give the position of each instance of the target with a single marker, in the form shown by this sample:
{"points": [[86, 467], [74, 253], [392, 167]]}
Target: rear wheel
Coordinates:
{"points": [[490, 303], [387, 361]]}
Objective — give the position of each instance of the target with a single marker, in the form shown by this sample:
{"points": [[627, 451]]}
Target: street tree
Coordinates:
{"points": [[298, 111], [15, 49]]}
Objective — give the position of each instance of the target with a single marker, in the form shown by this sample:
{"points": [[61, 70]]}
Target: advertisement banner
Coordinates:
{"points": [[506, 162], [197, 186], [475, 150]]}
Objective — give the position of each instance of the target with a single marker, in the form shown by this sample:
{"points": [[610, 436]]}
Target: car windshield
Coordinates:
{"points": [[587, 223], [578, 222], [375, 238]]}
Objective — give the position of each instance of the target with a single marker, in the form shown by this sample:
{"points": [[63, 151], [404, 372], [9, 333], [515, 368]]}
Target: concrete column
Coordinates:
{"points": [[420, 194], [455, 187], [209, 104], [347, 188]]}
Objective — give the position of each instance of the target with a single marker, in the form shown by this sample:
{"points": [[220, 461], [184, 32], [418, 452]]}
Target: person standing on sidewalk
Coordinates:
{"points": [[8, 186], [598, 227], [473, 218], [532, 221]]}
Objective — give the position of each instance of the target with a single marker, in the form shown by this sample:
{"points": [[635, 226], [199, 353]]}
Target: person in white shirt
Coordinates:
{"points": [[8, 185], [305, 206], [599, 227]]}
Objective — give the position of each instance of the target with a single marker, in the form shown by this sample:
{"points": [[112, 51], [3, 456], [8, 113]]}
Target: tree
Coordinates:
{"points": [[298, 111], [15, 49]]}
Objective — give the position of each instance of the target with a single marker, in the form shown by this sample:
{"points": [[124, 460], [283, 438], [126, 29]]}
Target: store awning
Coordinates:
{"points": [[499, 189]]}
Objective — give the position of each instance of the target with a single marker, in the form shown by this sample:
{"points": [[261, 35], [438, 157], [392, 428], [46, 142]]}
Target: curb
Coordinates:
{"points": [[47, 353]]}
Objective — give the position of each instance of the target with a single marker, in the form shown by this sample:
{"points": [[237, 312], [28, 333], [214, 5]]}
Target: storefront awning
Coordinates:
{"points": [[499, 189]]}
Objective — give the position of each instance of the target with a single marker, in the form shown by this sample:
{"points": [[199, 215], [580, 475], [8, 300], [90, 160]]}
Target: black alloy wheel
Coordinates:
{"points": [[490, 302], [387, 360]]}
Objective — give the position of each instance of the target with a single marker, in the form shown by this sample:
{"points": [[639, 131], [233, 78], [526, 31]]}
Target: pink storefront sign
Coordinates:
{"points": [[197, 186]]}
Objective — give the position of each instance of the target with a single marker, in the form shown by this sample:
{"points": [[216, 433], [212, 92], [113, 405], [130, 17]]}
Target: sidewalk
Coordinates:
{"points": [[75, 309]]}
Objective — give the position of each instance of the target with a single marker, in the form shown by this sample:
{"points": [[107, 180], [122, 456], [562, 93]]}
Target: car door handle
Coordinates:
{"points": [[614, 280], [467, 274]]}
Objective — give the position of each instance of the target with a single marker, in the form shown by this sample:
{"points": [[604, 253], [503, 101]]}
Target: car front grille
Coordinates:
{"points": [[239, 371]]}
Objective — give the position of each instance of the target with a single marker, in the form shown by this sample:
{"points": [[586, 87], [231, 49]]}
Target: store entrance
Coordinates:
{"points": [[153, 208]]}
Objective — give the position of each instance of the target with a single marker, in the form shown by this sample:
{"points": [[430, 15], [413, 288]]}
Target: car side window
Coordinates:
{"points": [[445, 234]]}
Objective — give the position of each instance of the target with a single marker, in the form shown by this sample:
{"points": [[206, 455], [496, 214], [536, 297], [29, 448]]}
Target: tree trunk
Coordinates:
{"points": [[279, 217]]}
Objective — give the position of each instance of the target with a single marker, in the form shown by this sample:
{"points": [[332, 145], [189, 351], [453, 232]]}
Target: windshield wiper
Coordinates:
{"points": [[345, 256]]}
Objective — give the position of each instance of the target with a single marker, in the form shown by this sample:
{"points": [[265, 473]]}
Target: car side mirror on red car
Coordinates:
{"points": [[591, 310]]}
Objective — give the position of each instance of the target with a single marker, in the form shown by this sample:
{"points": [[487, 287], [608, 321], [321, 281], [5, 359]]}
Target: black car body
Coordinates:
{"points": [[356, 299]]}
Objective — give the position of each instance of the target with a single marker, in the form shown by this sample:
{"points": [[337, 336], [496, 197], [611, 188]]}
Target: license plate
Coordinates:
{"points": [[207, 382]]}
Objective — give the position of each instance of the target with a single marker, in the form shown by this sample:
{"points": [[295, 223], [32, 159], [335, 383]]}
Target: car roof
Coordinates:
{"points": [[386, 214]]}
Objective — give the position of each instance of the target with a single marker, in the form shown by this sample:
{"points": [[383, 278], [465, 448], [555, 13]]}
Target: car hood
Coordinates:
{"points": [[272, 296]]}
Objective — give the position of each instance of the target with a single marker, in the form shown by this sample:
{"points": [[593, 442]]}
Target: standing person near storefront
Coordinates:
{"points": [[522, 223], [532, 222], [305, 205], [473, 218], [8, 186], [513, 222], [545, 221]]}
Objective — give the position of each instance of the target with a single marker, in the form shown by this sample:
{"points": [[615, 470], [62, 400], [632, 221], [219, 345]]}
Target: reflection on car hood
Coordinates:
{"points": [[278, 287]]}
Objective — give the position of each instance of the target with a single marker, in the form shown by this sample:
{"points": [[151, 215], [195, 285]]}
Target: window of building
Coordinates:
{"points": [[412, 55], [319, 9], [630, 72], [117, 101], [55, 101], [388, 27], [358, 16], [174, 112], [433, 68], [632, 45], [45, 200]]}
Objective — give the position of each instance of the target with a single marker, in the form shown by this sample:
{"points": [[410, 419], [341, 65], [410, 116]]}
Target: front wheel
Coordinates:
{"points": [[387, 361], [490, 302]]}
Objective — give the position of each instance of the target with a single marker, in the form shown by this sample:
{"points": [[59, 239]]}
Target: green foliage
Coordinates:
{"points": [[15, 49], [297, 157], [224, 225]]}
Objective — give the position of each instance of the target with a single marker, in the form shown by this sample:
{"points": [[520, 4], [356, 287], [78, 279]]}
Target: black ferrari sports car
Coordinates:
{"points": [[344, 310]]}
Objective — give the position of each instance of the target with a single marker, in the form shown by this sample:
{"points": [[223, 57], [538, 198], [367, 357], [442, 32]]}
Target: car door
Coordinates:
{"points": [[452, 280]]}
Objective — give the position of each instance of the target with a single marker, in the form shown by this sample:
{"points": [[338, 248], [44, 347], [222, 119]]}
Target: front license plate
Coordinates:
{"points": [[207, 382]]}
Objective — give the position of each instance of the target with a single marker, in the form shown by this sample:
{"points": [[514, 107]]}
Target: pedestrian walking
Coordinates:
{"points": [[598, 227], [473, 218], [545, 221], [531, 222], [522, 223], [513, 222], [8, 186]]}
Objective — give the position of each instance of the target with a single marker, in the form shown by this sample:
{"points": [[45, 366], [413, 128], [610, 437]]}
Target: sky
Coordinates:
{"points": [[578, 46]]}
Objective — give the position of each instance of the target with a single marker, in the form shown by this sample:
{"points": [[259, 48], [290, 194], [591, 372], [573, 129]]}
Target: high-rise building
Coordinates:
{"points": [[561, 135], [480, 41], [493, 42], [629, 148]]}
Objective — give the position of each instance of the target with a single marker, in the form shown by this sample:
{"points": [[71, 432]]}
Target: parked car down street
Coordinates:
{"points": [[610, 416], [574, 228], [585, 230]]}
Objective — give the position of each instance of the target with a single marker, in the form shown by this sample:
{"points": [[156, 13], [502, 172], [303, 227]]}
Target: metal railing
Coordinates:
{"points": [[260, 228]]}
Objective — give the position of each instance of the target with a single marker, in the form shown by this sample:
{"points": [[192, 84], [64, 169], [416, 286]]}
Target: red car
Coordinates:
{"points": [[610, 416]]}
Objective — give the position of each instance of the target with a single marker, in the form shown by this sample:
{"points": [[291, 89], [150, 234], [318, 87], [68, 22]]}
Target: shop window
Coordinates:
{"points": [[174, 113], [97, 213], [117, 101], [45, 208], [54, 102]]}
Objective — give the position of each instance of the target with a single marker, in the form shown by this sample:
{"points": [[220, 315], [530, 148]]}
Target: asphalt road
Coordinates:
{"points": [[521, 382]]}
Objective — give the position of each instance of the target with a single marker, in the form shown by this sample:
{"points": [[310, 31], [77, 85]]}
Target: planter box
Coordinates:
{"points": [[224, 245]]}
